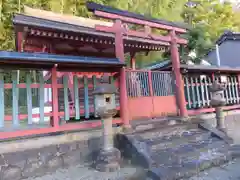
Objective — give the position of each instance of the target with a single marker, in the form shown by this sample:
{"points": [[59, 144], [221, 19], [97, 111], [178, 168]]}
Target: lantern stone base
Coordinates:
{"points": [[108, 160]]}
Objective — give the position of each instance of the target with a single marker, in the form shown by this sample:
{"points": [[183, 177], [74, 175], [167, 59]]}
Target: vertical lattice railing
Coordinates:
{"points": [[197, 92], [22, 101], [139, 83], [27, 102], [82, 105], [231, 92], [162, 83]]}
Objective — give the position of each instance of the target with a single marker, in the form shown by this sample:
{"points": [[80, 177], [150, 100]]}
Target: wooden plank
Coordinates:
{"points": [[2, 113], [199, 102], [14, 99], [65, 94], [86, 97], [236, 89], [226, 94], [94, 79], [202, 92], [29, 97], [206, 84], [233, 89], [41, 98], [230, 89], [76, 97], [193, 93], [188, 93]]}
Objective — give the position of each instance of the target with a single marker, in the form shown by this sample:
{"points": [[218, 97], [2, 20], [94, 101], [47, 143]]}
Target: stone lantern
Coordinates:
{"points": [[109, 157], [217, 101]]}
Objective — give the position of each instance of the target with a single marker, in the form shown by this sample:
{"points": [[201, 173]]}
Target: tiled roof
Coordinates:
{"points": [[44, 60]]}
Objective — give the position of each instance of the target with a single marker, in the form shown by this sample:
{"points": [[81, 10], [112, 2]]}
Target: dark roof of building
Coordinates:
{"points": [[226, 36], [98, 7], [41, 23], [159, 65], [202, 68], [167, 65], [47, 61]]}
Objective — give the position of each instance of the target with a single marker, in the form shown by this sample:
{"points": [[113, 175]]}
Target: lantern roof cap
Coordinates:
{"points": [[105, 88]]}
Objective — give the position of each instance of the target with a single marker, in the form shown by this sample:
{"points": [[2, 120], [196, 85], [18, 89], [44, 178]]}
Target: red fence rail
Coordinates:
{"points": [[32, 107]]}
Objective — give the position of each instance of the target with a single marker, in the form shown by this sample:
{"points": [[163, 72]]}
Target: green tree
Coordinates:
{"points": [[209, 19]]}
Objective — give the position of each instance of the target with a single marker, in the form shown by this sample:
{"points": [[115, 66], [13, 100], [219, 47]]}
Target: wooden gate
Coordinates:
{"points": [[150, 94]]}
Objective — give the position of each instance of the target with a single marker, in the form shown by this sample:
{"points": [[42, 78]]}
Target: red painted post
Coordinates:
{"points": [[119, 50], [213, 77], [55, 121], [178, 76], [133, 63], [19, 42], [150, 83]]}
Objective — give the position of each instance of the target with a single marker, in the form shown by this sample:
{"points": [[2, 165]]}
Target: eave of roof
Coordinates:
{"points": [[26, 20], [98, 7], [167, 65], [64, 18], [228, 36], [158, 65], [30, 21], [202, 68], [46, 61]]}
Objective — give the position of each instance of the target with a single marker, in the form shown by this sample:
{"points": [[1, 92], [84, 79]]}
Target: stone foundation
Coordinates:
{"points": [[231, 123], [22, 159]]}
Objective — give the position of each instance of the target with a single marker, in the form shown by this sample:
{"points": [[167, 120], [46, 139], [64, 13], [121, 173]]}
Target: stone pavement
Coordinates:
{"points": [[81, 172], [230, 171]]}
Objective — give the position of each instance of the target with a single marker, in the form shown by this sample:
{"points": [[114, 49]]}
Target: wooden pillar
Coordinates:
{"points": [[55, 120], [119, 51], [133, 61], [178, 76], [213, 77]]}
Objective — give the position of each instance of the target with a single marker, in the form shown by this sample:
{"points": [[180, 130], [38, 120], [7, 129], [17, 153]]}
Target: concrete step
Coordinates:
{"points": [[176, 140], [189, 168], [171, 152], [185, 152], [160, 130]]}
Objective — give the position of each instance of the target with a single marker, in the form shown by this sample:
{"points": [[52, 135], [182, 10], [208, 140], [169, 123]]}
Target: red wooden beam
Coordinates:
{"points": [[211, 110], [25, 116], [138, 21], [50, 114], [139, 34], [67, 127]]}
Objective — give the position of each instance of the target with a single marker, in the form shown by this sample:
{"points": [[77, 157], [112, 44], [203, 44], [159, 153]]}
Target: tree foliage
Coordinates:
{"points": [[208, 18]]}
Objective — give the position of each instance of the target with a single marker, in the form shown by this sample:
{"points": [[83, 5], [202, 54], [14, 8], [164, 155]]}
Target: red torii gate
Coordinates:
{"points": [[43, 33], [121, 30]]}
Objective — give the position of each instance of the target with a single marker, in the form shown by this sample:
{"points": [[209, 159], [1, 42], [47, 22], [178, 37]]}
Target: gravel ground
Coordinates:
{"points": [[81, 172], [230, 171]]}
